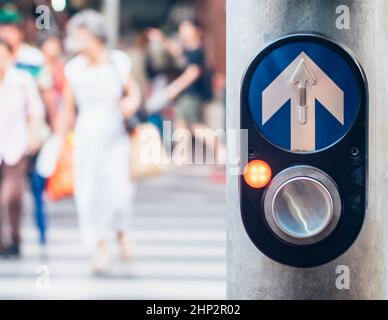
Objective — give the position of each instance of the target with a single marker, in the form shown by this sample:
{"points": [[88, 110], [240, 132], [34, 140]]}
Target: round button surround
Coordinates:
{"points": [[302, 205]]}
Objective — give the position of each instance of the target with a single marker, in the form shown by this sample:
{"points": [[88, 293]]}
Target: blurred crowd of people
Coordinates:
{"points": [[74, 82]]}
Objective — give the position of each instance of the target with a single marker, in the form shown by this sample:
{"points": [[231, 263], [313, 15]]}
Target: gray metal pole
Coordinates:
{"points": [[250, 25]]}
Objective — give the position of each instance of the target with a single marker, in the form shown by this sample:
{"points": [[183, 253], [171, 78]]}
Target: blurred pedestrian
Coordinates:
{"points": [[51, 79], [21, 114], [30, 59], [193, 87], [189, 88], [26, 57], [98, 81]]}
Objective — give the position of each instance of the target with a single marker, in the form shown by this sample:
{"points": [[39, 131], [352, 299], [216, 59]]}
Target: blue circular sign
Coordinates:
{"points": [[304, 95]]}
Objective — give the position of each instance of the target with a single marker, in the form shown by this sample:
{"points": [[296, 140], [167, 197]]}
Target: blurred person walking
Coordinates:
{"points": [[50, 81], [52, 77], [28, 58], [98, 81], [21, 113], [193, 87]]}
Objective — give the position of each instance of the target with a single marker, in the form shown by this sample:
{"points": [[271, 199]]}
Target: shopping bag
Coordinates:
{"points": [[48, 156], [60, 184], [148, 157]]}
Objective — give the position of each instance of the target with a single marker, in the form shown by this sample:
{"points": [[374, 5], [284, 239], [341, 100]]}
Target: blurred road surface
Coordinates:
{"points": [[179, 236]]}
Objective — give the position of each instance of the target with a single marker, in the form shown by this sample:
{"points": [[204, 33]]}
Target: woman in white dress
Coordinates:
{"points": [[98, 82]]}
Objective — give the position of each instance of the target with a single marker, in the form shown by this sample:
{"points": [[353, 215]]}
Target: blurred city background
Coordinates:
{"points": [[175, 246]]}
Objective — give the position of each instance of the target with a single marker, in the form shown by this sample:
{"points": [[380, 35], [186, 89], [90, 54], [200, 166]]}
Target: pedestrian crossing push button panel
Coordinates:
{"points": [[304, 104]]}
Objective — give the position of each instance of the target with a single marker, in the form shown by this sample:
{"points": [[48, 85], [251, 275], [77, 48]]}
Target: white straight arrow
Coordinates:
{"points": [[302, 82]]}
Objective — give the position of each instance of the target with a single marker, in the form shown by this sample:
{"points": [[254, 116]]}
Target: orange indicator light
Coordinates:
{"points": [[257, 174]]}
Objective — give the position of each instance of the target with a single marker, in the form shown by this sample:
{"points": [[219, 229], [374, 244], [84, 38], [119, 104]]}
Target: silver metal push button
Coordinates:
{"points": [[302, 205]]}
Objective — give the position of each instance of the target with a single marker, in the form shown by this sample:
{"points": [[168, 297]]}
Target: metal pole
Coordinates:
{"points": [[111, 11], [250, 25]]}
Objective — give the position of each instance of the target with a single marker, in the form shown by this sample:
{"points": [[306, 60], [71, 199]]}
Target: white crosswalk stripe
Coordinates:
{"points": [[179, 237]]}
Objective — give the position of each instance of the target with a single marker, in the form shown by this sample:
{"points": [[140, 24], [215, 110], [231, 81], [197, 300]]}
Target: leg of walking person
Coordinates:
{"points": [[12, 193], [125, 245], [37, 184]]}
